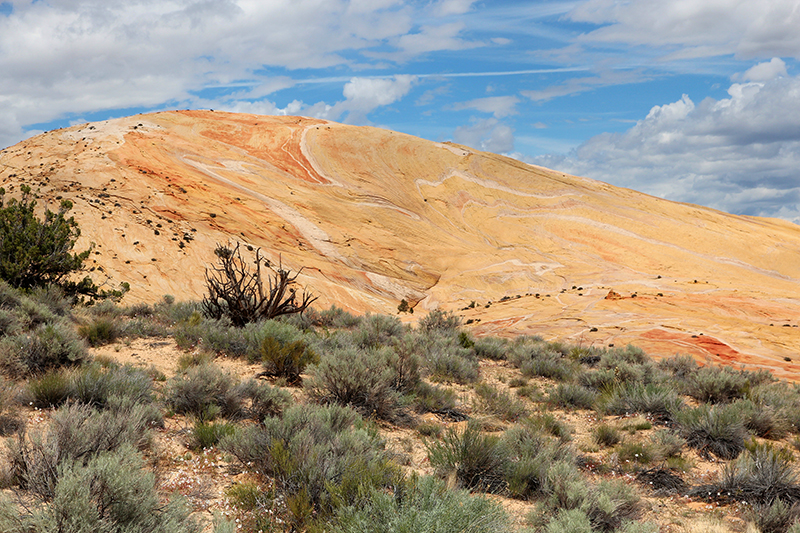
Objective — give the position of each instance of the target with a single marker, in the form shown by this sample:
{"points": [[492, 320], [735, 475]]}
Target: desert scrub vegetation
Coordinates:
{"points": [[314, 427], [321, 458]]}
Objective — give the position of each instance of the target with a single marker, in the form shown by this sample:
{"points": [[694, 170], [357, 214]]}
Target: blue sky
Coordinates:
{"points": [[695, 101]]}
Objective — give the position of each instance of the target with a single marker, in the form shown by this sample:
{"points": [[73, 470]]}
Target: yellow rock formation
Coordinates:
{"points": [[376, 216]]}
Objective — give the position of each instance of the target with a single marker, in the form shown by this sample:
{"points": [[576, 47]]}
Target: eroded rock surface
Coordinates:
{"points": [[376, 216]]}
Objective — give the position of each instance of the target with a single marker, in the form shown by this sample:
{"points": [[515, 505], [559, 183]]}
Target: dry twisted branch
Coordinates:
{"points": [[236, 292]]}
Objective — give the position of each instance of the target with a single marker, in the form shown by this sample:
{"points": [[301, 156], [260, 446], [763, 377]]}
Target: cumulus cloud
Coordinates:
{"points": [[364, 95], [487, 134], [70, 58], [764, 71], [739, 154], [697, 29]]}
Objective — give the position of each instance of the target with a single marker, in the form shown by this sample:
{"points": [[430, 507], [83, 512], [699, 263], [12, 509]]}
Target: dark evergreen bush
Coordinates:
{"points": [[34, 252]]}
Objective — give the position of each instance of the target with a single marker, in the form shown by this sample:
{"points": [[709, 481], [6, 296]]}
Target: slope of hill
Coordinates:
{"points": [[376, 216]]}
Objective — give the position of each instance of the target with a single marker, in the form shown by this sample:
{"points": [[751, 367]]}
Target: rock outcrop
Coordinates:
{"points": [[376, 216]]}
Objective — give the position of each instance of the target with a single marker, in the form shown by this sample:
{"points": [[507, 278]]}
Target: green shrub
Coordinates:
{"points": [[50, 389], [717, 430], [288, 360], [34, 252], [611, 504], [426, 506], [606, 435], [335, 318], [764, 421], [573, 396], [265, 400], [76, 433], [659, 401], [256, 506], [205, 391], [446, 360], [760, 476], [48, 346], [321, 458], [564, 486], [679, 366], [550, 365], [532, 452], [440, 321], [428, 398], [100, 331], [361, 379], [493, 348], [208, 434], [378, 330], [551, 425], [667, 443], [96, 385], [635, 452], [569, 521], [603, 379], [475, 460], [499, 403], [719, 384], [110, 491], [776, 517]]}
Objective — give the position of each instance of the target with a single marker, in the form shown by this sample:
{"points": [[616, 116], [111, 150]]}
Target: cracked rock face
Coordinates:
{"points": [[375, 217]]}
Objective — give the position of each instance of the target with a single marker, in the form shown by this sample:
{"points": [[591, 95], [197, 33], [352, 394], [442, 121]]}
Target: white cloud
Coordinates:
{"points": [[764, 71], [487, 134], [364, 95], [73, 57], [499, 106], [445, 8], [739, 154], [706, 28]]}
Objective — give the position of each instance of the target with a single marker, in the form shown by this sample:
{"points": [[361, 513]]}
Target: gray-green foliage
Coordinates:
{"points": [[106, 492], [719, 384], [321, 457], [446, 360], [572, 395], [657, 400], [718, 429], [491, 348], [426, 506], [49, 345], [532, 452], [204, 391], [361, 378], [475, 460], [76, 433]]}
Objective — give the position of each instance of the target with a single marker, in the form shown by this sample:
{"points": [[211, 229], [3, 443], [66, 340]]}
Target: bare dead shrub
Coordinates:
{"points": [[238, 293]]}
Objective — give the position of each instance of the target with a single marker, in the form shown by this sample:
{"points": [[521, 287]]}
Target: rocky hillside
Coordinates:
{"points": [[375, 216]]}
